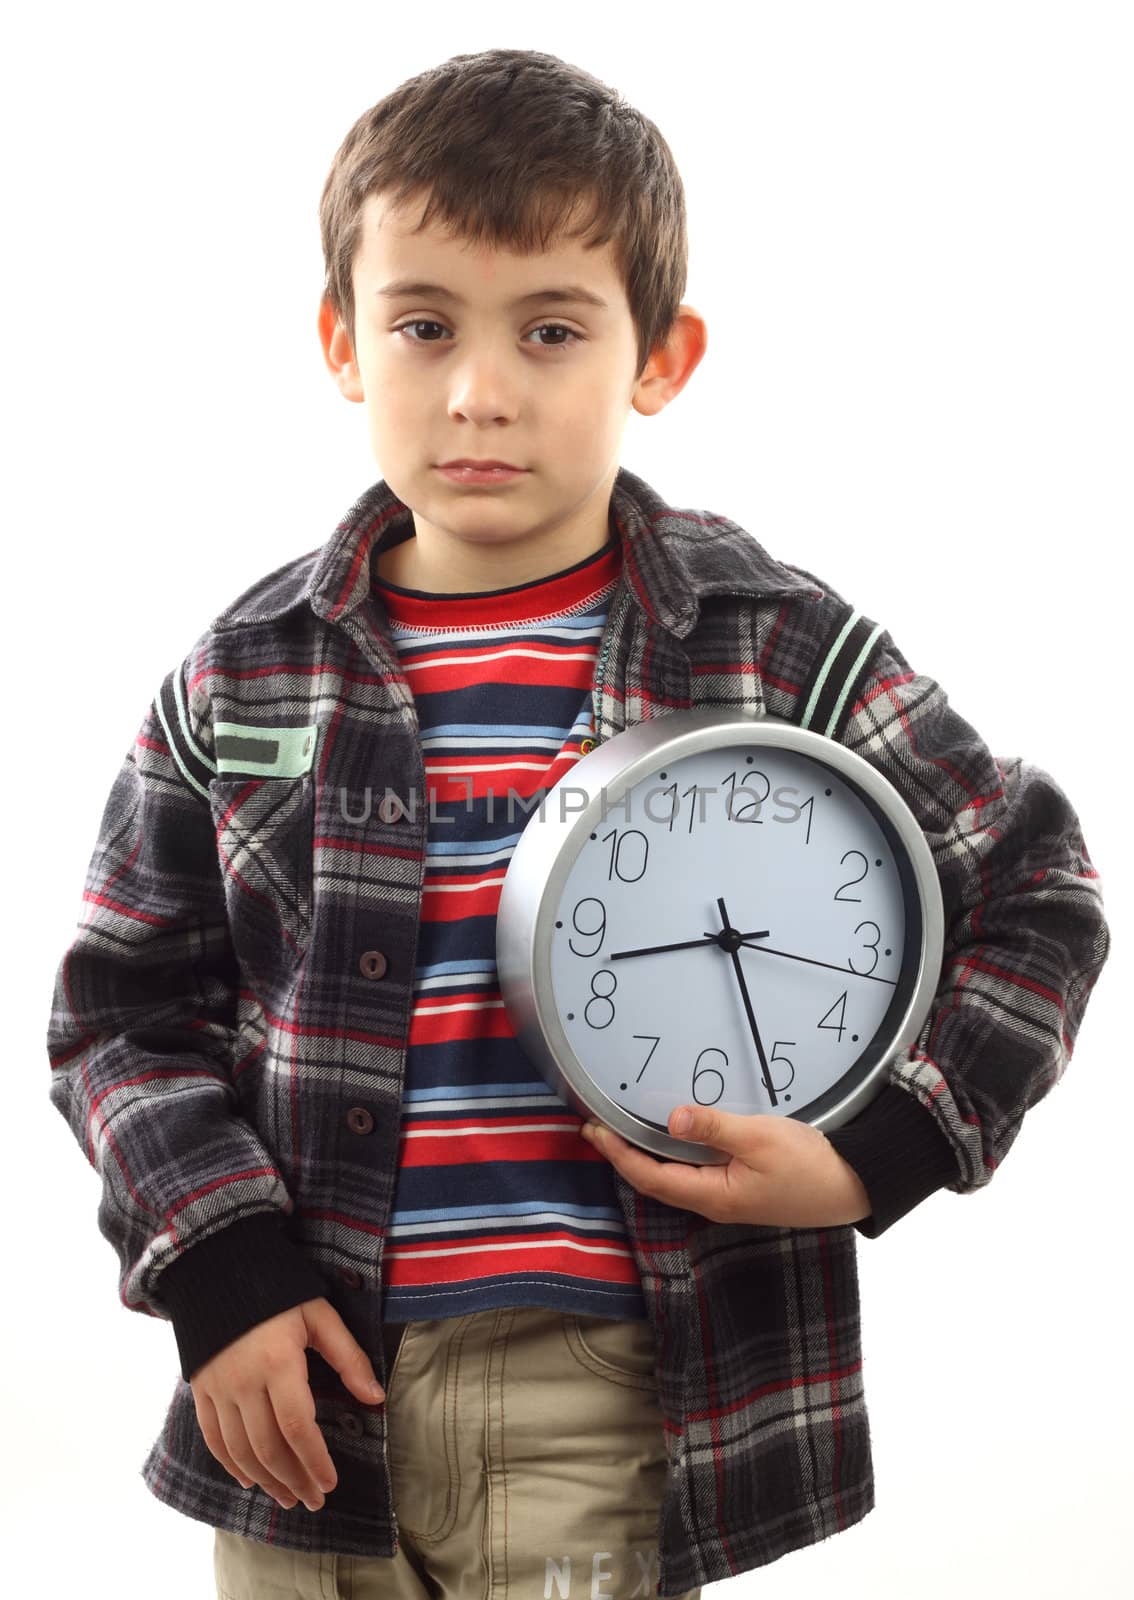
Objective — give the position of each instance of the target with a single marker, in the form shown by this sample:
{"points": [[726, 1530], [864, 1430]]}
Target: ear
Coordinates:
{"points": [[337, 352], [671, 362]]}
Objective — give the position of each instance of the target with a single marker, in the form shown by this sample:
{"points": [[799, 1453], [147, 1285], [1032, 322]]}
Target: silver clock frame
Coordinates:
{"points": [[549, 845]]}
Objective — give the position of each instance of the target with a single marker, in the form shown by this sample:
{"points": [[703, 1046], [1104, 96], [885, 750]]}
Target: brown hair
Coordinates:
{"points": [[506, 143]]}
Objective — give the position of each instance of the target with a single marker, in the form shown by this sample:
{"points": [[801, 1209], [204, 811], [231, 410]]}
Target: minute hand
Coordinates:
{"points": [[734, 955], [788, 956]]}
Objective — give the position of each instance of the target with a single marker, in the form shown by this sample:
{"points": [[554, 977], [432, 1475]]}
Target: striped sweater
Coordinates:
{"points": [[498, 1201]]}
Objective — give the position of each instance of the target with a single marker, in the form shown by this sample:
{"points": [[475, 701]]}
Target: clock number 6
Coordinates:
{"points": [[700, 1072]]}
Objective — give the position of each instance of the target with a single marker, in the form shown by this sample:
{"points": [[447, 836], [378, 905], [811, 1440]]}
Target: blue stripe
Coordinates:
{"points": [[435, 968], [514, 1208], [512, 729], [471, 847], [466, 1091]]}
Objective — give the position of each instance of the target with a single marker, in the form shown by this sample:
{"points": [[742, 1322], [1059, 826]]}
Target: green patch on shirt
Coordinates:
{"points": [[265, 752]]}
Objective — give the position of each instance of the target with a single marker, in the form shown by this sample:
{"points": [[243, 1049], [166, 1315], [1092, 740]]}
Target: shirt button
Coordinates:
{"points": [[587, 746], [359, 1120], [390, 809], [351, 1424], [372, 964], [351, 1277]]}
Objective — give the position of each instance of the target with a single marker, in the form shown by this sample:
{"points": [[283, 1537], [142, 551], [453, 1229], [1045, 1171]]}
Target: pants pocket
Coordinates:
{"points": [[422, 1414], [622, 1350]]}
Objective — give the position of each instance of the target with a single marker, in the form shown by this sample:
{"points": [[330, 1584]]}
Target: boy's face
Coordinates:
{"points": [[484, 373]]}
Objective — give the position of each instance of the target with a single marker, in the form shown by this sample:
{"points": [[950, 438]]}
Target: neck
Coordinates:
{"points": [[415, 563]]}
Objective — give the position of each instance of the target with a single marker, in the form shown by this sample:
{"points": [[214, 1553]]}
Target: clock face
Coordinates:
{"points": [[799, 861]]}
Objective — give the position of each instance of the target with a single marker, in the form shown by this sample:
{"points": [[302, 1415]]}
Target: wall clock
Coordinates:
{"points": [[723, 909]]}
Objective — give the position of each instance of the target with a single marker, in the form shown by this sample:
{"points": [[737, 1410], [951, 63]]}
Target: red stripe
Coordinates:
{"points": [[528, 602], [437, 674], [452, 1027], [332, 841], [285, 1025], [127, 911], [437, 1270], [281, 669], [482, 902], [563, 1142]]}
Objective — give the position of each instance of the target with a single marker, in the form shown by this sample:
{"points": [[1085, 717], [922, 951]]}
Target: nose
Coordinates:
{"points": [[484, 391]]}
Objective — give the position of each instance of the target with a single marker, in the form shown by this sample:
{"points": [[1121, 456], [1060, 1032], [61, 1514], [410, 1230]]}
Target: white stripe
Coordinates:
{"points": [[488, 766], [503, 1220], [494, 655], [476, 1102], [471, 1005], [183, 717], [458, 888], [172, 742], [851, 677], [447, 980], [475, 741], [520, 630]]}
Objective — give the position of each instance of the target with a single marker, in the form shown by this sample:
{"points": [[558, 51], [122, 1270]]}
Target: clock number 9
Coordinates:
{"points": [[598, 933]]}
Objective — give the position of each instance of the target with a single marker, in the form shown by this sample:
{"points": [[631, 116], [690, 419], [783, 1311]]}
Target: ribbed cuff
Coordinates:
{"points": [[227, 1283], [899, 1152]]}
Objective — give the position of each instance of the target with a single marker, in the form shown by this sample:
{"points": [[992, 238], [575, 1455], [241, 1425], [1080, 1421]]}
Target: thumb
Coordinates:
{"points": [[329, 1334], [725, 1130]]}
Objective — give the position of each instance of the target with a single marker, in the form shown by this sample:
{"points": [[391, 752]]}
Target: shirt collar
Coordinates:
{"points": [[673, 558]]}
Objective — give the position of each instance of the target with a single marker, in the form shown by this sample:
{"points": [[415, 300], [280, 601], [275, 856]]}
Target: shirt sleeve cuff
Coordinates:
{"points": [[227, 1283], [900, 1154]]}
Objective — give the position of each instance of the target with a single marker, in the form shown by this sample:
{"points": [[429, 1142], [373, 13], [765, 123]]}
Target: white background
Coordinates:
{"points": [[911, 240]]}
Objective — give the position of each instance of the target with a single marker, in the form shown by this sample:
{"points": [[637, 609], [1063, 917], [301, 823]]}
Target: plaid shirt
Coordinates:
{"points": [[229, 1026]]}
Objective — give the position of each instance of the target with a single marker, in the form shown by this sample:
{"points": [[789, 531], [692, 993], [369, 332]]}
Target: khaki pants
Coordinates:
{"points": [[527, 1462]]}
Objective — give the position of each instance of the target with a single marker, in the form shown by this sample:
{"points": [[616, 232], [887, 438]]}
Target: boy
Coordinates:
{"points": [[277, 1034]]}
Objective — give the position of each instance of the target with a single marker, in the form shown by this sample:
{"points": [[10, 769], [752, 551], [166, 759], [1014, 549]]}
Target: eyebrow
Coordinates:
{"points": [[566, 294]]}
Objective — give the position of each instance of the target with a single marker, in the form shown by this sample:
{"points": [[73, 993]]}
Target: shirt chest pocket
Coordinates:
{"points": [[265, 842]]}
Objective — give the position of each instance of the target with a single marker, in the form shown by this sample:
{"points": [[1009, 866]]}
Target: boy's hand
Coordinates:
{"points": [[255, 1405], [783, 1173]]}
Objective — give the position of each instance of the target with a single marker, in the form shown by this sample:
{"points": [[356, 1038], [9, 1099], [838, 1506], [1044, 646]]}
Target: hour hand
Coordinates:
{"points": [[653, 949], [686, 944]]}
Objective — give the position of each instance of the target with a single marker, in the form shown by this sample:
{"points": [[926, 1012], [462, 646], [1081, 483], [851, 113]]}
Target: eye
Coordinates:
{"points": [[423, 322], [558, 327], [419, 322]]}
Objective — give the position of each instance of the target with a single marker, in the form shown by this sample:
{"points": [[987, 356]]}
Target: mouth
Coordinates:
{"points": [[471, 472]]}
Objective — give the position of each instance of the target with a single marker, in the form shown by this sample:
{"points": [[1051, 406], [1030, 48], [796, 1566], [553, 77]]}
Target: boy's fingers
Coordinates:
{"points": [[243, 1454], [211, 1433], [293, 1408], [678, 1183], [329, 1334]]}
